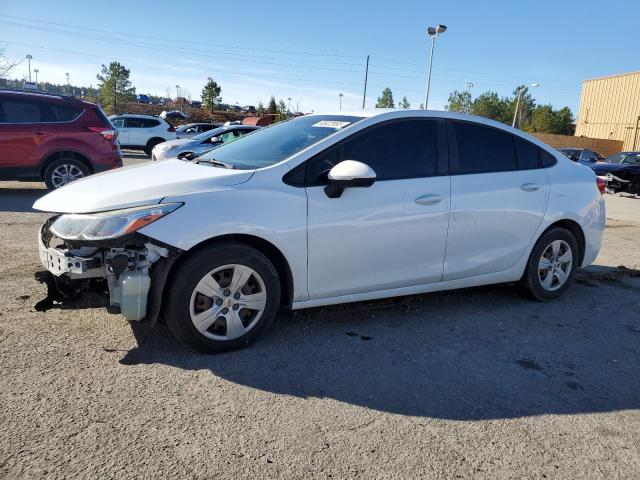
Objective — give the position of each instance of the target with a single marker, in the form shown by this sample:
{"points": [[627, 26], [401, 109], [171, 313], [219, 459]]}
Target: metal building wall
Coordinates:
{"points": [[610, 108]]}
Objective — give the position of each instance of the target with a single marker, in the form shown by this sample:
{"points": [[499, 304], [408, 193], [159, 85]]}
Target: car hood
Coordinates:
{"points": [[138, 185], [604, 167], [179, 142]]}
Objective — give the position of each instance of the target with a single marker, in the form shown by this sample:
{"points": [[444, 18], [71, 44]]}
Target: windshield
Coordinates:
{"points": [[617, 158], [209, 134], [271, 145]]}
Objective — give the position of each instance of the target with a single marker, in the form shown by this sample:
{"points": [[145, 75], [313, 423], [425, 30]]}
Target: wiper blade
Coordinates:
{"points": [[215, 162]]}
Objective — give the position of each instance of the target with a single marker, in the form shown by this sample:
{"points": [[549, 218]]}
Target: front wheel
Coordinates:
{"points": [[222, 297], [552, 265]]}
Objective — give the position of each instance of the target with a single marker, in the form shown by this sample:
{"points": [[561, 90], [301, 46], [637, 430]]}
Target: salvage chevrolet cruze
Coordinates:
{"points": [[319, 210]]}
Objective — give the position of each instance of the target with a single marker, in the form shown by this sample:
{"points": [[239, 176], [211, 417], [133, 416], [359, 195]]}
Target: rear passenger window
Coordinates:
{"points": [[21, 111], [403, 149], [483, 149], [61, 113], [546, 159], [528, 157]]}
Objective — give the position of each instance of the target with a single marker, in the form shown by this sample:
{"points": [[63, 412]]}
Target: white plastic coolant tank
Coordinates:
{"points": [[135, 287]]}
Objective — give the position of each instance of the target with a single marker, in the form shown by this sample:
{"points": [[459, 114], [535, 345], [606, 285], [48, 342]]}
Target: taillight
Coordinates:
{"points": [[171, 129], [108, 133], [602, 185]]}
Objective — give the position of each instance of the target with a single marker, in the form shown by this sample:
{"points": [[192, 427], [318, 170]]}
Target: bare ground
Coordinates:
{"points": [[478, 383]]}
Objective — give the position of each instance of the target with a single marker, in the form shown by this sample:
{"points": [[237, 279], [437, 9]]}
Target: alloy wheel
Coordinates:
{"points": [[64, 174], [228, 302], [554, 267]]}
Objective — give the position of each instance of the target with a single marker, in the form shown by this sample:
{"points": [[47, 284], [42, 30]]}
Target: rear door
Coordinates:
{"points": [[498, 199]]}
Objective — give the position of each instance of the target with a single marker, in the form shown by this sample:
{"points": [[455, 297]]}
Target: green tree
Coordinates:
{"points": [[489, 105], [260, 108], [114, 86], [386, 100], [459, 102], [282, 107], [404, 103], [273, 106], [210, 94], [547, 120]]}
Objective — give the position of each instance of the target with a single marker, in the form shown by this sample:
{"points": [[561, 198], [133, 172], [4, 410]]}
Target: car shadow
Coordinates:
{"points": [[20, 199], [484, 353]]}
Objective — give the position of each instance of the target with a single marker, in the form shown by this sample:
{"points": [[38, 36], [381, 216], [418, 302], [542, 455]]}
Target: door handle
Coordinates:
{"points": [[530, 187], [429, 199]]}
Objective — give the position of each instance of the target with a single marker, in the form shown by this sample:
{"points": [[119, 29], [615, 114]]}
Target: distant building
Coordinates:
{"points": [[610, 109]]}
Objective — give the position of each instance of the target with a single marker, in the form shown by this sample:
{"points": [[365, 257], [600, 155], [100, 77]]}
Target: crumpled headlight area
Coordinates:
{"points": [[108, 225]]}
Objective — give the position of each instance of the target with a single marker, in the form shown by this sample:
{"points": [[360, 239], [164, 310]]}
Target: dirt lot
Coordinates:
{"points": [[477, 383]]}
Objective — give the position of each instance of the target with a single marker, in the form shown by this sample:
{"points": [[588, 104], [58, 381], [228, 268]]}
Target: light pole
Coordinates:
{"points": [[340, 95], [289, 98], [36, 71], [520, 90], [29, 57], [178, 96], [432, 32], [68, 83], [469, 86]]}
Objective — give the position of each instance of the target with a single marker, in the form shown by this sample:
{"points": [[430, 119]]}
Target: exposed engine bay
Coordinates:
{"points": [[124, 268]]}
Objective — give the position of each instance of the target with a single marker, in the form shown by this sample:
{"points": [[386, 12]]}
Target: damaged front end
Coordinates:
{"points": [[623, 181], [128, 266]]}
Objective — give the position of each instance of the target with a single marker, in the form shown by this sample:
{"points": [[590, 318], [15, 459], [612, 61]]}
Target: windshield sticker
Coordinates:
{"points": [[331, 124]]}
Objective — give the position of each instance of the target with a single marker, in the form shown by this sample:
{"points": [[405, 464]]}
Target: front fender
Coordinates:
{"points": [[276, 216]]}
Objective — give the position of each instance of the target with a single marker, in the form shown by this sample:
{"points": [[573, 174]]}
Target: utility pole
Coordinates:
{"points": [[366, 77], [29, 57], [520, 90]]}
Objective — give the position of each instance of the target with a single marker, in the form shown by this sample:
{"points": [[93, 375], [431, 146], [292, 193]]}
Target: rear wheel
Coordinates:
{"points": [[222, 298], [63, 171], [552, 265]]}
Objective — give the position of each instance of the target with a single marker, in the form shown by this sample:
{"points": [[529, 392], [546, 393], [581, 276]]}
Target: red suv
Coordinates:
{"points": [[54, 139]]}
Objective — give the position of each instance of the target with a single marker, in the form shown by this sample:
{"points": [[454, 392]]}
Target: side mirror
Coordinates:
{"points": [[215, 140], [348, 174], [187, 156]]}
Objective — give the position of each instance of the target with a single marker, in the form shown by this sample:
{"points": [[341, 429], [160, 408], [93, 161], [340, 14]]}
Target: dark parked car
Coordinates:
{"points": [[621, 172], [192, 129], [581, 155], [54, 139]]}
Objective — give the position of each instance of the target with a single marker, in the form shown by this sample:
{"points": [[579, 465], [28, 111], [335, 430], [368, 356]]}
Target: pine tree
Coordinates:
{"points": [[114, 85], [210, 94], [386, 100]]}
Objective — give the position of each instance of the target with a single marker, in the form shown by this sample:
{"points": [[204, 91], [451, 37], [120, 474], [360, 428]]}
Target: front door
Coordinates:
{"points": [[386, 236]]}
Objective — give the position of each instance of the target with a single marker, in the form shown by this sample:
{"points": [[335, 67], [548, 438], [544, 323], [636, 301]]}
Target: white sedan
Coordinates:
{"points": [[324, 209]]}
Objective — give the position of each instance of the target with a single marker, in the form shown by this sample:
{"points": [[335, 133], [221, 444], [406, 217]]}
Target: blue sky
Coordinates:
{"points": [[311, 51]]}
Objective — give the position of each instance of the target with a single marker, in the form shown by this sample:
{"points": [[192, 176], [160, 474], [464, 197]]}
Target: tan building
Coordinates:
{"points": [[610, 109]]}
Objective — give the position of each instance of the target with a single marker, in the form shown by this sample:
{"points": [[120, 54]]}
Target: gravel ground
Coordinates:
{"points": [[478, 383]]}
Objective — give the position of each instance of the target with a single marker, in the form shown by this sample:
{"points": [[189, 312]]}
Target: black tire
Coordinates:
{"points": [[177, 304], [51, 177], [152, 143], [531, 279]]}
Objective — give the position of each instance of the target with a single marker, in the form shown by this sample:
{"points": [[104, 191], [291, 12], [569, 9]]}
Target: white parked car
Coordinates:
{"points": [[201, 143], [142, 132], [324, 209]]}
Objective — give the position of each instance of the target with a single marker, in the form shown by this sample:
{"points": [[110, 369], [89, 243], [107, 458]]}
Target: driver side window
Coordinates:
{"points": [[394, 150]]}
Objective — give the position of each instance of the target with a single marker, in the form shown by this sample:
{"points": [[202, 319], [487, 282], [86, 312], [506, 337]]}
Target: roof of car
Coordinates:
{"points": [[134, 115], [48, 96]]}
